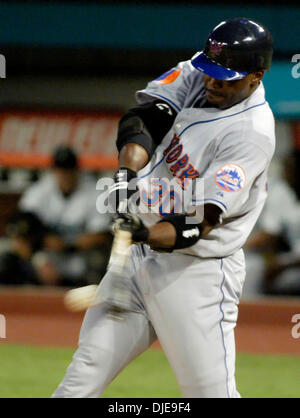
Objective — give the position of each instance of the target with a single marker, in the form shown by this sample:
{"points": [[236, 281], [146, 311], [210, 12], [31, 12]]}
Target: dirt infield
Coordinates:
{"points": [[38, 316]]}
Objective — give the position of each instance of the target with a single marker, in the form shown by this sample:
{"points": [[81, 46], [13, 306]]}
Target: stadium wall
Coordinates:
{"points": [[39, 317]]}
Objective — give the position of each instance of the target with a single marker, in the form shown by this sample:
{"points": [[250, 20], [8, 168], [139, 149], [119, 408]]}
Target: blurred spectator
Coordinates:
{"points": [[26, 233], [278, 236], [77, 242]]}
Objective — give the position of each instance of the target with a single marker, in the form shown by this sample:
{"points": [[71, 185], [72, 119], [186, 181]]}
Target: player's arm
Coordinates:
{"points": [[140, 131], [133, 156], [147, 124], [143, 128], [173, 232]]}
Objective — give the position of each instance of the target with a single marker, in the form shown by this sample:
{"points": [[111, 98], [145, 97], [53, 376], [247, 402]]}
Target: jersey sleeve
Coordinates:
{"points": [[172, 87], [229, 179]]}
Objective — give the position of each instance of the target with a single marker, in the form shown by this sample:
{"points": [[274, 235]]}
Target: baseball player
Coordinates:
{"points": [[206, 118]]}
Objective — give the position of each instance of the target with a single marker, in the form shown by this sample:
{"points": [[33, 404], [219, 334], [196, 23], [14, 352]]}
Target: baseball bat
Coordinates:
{"points": [[84, 297]]}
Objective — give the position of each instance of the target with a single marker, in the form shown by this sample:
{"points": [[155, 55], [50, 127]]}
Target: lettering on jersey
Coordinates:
{"points": [[155, 195], [181, 167], [173, 143], [161, 197], [168, 77], [187, 174], [231, 178], [174, 154], [182, 162]]}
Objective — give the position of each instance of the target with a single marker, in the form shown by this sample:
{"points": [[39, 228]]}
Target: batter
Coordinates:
{"points": [[206, 118]]}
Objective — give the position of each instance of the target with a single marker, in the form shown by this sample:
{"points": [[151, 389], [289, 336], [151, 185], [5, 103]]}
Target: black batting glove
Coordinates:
{"points": [[119, 193], [134, 225]]}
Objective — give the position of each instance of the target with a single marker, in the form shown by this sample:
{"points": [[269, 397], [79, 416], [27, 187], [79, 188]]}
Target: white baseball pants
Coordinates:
{"points": [[189, 304]]}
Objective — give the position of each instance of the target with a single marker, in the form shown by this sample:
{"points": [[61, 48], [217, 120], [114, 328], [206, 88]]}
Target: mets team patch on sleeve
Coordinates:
{"points": [[231, 178], [168, 77]]}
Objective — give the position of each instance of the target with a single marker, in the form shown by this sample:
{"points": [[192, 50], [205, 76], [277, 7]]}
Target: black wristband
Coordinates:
{"points": [[124, 174], [187, 234], [133, 224], [141, 235], [121, 191]]}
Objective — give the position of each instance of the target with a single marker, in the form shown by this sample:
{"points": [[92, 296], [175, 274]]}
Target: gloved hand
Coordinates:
{"points": [[120, 298], [133, 224], [119, 193]]}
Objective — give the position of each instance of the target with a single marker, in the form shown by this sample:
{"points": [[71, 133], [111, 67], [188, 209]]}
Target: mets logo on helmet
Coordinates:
{"points": [[231, 178], [215, 48]]}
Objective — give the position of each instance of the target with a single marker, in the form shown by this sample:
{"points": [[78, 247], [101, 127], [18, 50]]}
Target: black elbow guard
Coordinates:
{"points": [[133, 130], [146, 125], [186, 234]]}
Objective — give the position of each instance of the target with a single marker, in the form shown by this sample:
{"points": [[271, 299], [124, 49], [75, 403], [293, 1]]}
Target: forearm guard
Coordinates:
{"points": [[186, 234]]}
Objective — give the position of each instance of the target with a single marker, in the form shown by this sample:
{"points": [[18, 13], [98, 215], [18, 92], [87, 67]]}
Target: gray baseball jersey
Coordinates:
{"points": [[230, 149]]}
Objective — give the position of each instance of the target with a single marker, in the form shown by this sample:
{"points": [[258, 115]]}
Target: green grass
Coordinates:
{"points": [[35, 372]]}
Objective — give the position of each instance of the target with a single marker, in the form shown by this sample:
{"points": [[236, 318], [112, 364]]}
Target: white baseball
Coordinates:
{"points": [[80, 299]]}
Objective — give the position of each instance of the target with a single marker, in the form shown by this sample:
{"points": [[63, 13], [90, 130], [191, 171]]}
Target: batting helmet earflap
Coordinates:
{"points": [[235, 48]]}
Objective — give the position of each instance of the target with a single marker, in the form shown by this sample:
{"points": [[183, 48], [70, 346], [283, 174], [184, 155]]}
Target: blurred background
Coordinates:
{"points": [[72, 68]]}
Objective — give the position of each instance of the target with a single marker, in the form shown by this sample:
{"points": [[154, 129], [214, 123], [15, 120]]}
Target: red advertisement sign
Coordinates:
{"points": [[28, 139]]}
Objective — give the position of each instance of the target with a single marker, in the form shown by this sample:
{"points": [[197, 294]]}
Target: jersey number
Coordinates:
{"points": [[161, 198]]}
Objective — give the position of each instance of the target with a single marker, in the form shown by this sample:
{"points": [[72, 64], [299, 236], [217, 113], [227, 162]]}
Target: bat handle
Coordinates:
{"points": [[120, 251], [120, 298]]}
